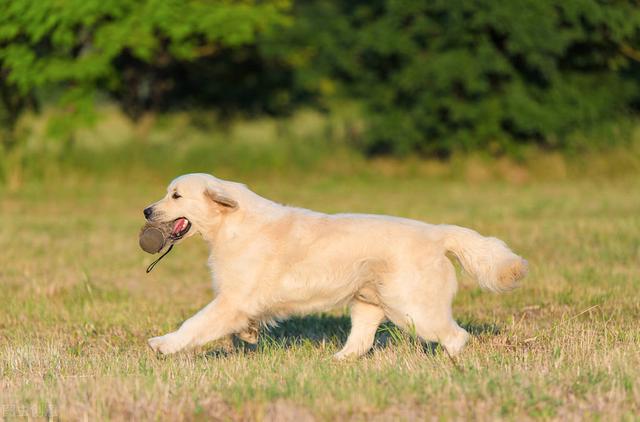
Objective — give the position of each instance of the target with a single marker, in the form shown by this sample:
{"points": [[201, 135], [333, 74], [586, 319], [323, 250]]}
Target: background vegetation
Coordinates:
{"points": [[432, 77]]}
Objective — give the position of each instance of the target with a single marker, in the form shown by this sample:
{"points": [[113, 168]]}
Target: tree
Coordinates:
{"points": [[72, 49], [441, 75]]}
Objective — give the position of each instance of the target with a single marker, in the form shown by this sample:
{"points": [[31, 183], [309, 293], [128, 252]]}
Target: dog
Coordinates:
{"points": [[270, 261]]}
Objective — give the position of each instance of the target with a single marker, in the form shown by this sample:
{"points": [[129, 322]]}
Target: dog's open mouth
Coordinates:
{"points": [[180, 227]]}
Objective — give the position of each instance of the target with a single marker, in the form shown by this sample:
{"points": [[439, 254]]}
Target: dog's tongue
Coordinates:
{"points": [[179, 225]]}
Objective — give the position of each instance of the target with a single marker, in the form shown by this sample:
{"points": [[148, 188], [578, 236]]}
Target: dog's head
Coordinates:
{"points": [[193, 203]]}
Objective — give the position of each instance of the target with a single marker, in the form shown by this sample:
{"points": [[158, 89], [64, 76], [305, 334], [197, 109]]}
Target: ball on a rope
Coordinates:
{"points": [[152, 239]]}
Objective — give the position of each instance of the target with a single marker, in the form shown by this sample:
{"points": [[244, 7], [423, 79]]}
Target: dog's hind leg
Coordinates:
{"points": [[424, 305], [216, 320], [365, 319], [442, 329]]}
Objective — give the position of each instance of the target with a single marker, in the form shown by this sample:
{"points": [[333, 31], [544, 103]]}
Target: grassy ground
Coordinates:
{"points": [[76, 308]]}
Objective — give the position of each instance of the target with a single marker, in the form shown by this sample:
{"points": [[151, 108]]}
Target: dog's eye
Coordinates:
{"points": [[176, 195]]}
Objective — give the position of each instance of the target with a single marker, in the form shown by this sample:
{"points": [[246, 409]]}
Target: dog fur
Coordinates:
{"points": [[271, 261]]}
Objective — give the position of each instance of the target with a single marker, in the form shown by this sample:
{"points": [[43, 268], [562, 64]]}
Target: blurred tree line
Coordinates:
{"points": [[433, 76]]}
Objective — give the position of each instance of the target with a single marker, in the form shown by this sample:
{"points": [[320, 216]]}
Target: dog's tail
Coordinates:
{"points": [[487, 259]]}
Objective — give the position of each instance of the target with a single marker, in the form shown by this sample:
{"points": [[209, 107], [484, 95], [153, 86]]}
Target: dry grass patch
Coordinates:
{"points": [[77, 309]]}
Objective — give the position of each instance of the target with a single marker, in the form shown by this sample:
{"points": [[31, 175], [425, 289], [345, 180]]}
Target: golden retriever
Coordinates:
{"points": [[271, 261]]}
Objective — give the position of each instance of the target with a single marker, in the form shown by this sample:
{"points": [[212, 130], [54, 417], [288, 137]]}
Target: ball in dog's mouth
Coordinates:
{"points": [[151, 240], [154, 237]]}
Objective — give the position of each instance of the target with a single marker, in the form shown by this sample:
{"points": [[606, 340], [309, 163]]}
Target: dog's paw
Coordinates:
{"points": [[337, 357], [167, 344], [249, 335], [344, 355]]}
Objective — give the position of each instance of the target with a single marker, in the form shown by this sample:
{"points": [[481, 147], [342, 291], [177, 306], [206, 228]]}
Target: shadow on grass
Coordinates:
{"points": [[327, 329], [317, 329], [481, 328], [388, 335]]}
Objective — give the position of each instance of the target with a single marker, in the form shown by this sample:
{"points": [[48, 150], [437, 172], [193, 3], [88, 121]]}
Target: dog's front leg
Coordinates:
{"points": [[218, 319]]}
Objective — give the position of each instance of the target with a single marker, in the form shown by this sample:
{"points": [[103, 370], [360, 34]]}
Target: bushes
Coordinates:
{"points": [[444, 75], [434, 76], [73, 49]]}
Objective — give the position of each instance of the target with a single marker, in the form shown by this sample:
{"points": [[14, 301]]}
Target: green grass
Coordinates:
{"points": [[76, 308], [277, 147]]}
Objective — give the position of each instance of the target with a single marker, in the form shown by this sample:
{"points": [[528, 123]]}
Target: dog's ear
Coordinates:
{"points": [[222, 200]]}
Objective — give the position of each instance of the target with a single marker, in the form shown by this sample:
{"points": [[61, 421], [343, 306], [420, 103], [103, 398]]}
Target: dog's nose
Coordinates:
{"points": [[147, 212]]}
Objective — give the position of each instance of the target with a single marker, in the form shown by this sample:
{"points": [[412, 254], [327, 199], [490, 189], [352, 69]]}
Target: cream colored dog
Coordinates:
{"points": [[271, 261]]}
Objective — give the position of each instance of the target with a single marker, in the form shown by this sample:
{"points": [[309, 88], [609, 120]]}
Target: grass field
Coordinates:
{"points": [[76, 308]]}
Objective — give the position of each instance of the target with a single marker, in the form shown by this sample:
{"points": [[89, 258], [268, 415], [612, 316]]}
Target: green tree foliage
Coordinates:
{"points": [[435, 76], [440, 75], [72, 49]]}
